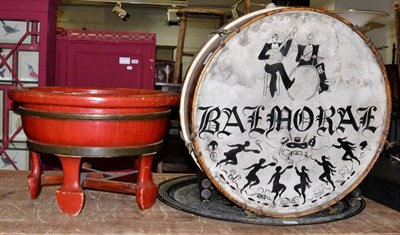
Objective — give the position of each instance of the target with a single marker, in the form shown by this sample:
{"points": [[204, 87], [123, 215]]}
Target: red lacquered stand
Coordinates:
{"points": [[74, 123], [77, 175]]}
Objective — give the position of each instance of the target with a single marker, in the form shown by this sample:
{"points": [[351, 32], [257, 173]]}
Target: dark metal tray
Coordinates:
{"points": [[183, 194]]}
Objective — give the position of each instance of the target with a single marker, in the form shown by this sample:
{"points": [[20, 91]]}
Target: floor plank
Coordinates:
{"points": [[112, 213]]}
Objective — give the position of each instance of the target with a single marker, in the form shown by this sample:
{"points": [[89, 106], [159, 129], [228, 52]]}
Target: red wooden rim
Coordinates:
{"points": [[94, 97]]}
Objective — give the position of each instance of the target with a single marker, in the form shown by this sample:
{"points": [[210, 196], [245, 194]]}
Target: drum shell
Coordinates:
{"points": [[193, 94]]}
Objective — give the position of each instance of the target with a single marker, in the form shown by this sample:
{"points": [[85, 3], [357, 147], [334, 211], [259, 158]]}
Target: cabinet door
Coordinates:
{"points": [[107, 65]]}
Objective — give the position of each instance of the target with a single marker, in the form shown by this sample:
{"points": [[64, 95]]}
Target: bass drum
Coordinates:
{"points": [[273, 153]]}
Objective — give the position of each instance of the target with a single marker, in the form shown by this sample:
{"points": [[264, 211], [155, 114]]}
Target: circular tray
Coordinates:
{"points": [[183, 194]]}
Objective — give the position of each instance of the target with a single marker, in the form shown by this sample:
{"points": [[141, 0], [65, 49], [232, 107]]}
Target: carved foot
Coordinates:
{"points": [[70, 196], [146, 191], [34, 178]]}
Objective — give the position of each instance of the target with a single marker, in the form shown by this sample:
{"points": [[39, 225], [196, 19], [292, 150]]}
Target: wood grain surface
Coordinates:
{"points": [[113, 213]]}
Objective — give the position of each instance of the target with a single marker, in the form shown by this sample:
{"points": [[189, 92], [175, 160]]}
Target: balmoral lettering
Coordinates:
{"points": [[256, 120]]}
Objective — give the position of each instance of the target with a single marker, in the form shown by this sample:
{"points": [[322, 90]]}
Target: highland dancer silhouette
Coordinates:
{"points": [[304, 182], [277, 187], [348, 147], [231, 157], [252, 178], [328, 171]]}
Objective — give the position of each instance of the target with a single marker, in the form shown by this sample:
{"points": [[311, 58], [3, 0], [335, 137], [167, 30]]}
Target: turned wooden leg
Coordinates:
{"points": [[70, 196], [146, 191], [34, 178]]}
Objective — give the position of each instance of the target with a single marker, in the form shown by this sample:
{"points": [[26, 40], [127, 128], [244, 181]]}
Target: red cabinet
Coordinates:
{"points": [[27, 58], [105, 59]]}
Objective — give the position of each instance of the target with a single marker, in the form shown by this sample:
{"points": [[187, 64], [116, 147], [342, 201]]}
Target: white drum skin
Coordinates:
{"points": [[289, 113]]}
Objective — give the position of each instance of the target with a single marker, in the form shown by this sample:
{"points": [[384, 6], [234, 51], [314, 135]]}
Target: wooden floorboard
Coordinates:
{"points": [[112, 213]]}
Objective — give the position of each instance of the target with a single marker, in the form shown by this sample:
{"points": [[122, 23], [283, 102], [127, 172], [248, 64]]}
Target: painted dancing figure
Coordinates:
{"points": [[328, 171], [231, 157], [348, 147], [277, 187], [252, 178], [304, 182]]}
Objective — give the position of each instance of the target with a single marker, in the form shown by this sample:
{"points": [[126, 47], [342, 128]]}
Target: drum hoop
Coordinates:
{"points": [[192, 74]]}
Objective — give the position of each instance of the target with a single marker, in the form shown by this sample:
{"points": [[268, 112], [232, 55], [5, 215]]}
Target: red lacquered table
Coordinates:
{"points": [[78, 123]]}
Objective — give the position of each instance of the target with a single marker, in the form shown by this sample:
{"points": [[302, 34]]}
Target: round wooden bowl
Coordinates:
{"points": [[94, 117]]}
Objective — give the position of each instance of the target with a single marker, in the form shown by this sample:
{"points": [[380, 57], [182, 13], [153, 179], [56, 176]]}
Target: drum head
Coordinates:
{"points": [[273, 150]]}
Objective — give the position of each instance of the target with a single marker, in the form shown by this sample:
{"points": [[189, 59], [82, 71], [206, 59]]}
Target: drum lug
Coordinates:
{"points": [[369, 42], [197, 154], [223, 33], [359, 28], [249, 214], [189, 144], [355, 198], [336, 199], [386, 133]]}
